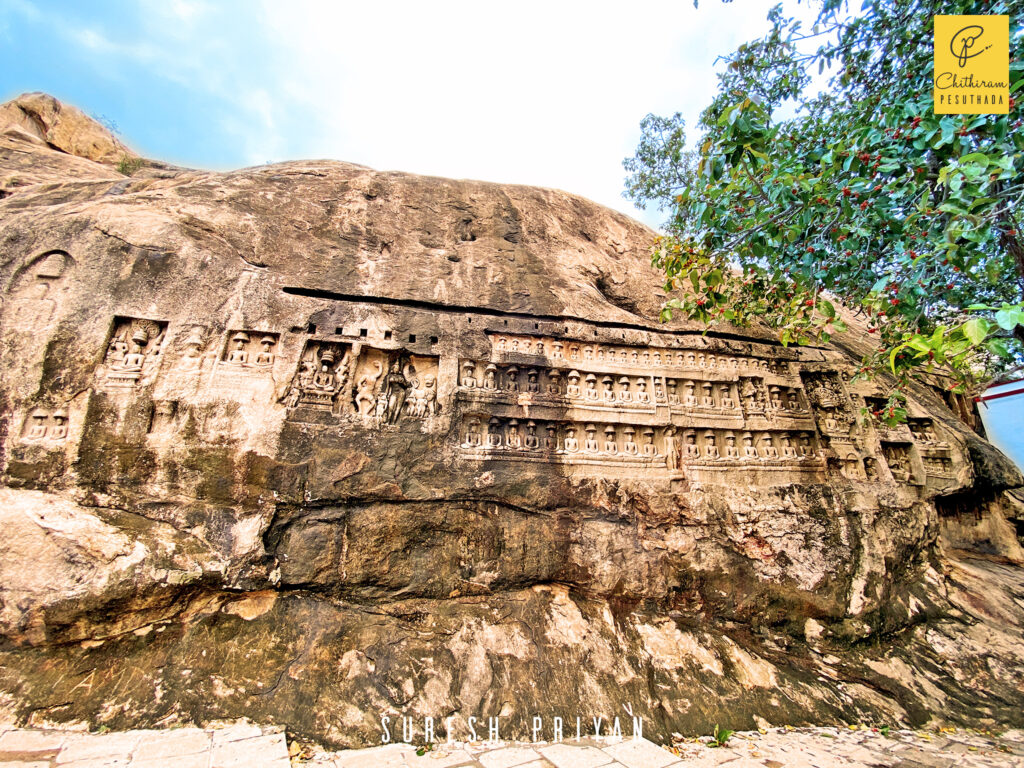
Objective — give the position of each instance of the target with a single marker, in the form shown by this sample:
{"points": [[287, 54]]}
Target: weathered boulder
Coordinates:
{"points": [[314, 444]]}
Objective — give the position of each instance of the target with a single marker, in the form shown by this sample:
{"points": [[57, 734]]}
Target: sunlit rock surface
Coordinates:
{"points": [[312, 443]]}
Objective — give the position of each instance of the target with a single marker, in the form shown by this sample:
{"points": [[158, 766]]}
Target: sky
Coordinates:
{"points": [[542, 93]]}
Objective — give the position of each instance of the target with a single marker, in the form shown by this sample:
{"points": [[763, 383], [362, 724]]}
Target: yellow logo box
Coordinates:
{"points": [[972, 65]]}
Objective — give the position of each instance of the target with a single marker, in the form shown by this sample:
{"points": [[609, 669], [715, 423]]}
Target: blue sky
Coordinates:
{"points": [[545, 93]]}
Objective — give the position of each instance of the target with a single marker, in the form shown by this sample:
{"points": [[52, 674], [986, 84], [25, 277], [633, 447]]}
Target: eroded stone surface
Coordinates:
{"points": [[313, 444]]}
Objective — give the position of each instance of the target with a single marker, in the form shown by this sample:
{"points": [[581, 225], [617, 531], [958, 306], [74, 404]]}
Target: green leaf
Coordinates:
{"points": [[976, 329]]}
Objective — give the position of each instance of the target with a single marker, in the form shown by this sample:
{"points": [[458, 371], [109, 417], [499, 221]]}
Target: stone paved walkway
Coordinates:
{"points": [[776, 748], [248, 746]]}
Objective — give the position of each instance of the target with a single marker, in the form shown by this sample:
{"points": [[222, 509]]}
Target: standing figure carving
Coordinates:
{"points": [[364, 398], [396, 387]]}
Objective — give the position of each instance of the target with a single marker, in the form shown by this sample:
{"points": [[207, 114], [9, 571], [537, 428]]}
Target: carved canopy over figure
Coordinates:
{"points": [[239, 355]]}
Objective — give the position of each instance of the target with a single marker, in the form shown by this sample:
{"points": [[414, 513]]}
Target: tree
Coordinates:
{"points": [[865, 195]]}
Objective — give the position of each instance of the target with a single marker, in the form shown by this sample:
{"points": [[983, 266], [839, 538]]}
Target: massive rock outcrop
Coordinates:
{"points": [[314, 444]]}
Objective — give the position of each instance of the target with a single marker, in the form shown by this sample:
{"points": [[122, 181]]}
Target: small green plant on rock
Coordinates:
{"points": [[129, 165], [721, 736], [421, 751]]}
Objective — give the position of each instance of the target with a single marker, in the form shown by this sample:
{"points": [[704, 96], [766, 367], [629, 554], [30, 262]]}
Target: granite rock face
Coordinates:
{"points": [[313, 444]]}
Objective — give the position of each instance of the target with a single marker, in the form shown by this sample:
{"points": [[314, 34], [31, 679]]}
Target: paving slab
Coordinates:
{"points": [[267, 751], [84, 747], [200, 760], [387, 756], [572, 756], [640, 753], [177, 743], [439, 758], [32, 741], [508, 757]]}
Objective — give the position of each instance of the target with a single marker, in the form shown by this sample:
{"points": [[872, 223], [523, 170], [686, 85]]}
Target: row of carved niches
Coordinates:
{"points": [[667, 446], [491, 382], [133, 353], [585, 355]]}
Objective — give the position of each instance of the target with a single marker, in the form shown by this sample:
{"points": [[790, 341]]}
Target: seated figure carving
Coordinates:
{"points": [[494, 433], [708, 399], [572, 445], [690, 448], [472, 434], [673, 392], [642, 395], [710, 446], [266, 355], [726, 396], [531, 440], [491, 376], [610, 444], [591, 392], [554, 382], [239, 355], [514, 440], [649, 448], [624, 396], [689, 399], [37, 430], [609, 392], [572, 389], [630, 447], [60, 424]]}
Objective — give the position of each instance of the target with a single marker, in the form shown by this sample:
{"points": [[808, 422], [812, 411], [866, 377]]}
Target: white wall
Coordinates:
{"points": [[1002, 413]]}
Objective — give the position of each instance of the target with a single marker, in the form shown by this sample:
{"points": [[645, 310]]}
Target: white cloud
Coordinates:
{"points": [[542, 93], [536, 93]]}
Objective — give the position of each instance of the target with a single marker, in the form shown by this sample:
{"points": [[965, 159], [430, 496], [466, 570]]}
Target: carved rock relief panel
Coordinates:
{"points": [[668, 447], [35, 291], [390, 386], [556, 386], [250, 352], [581, 354], [134, 352], [43, 425], [656, 407]]}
